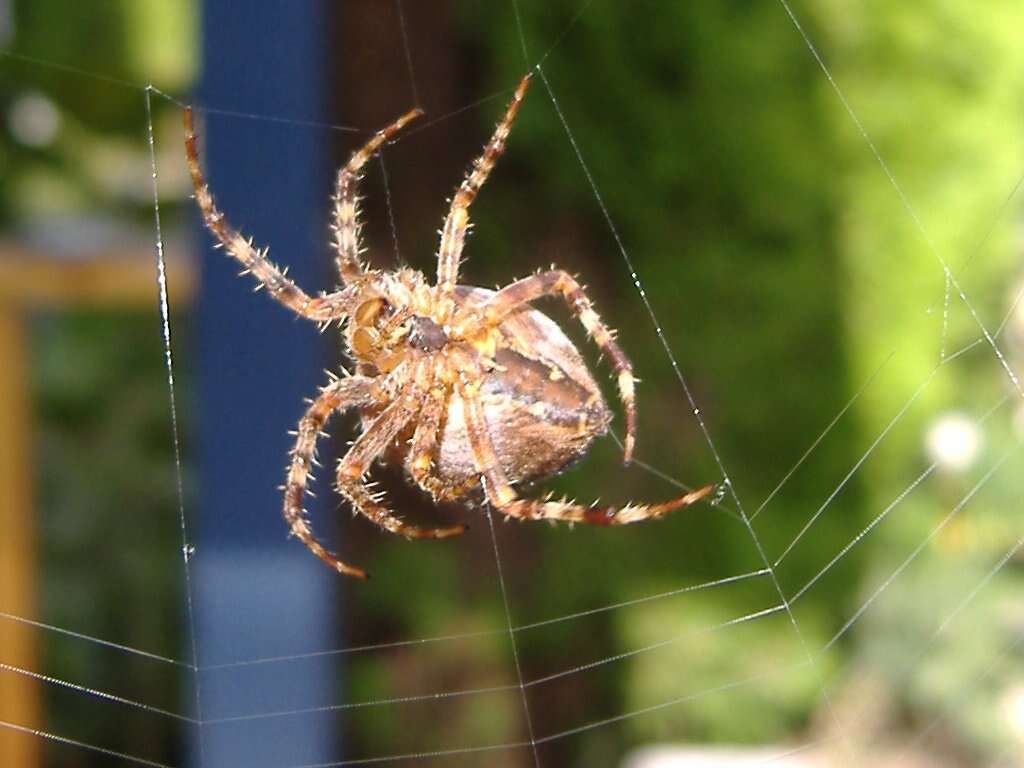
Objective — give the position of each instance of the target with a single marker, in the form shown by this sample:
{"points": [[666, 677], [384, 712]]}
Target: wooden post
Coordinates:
{"points": [[31, 281], [19, 695]]}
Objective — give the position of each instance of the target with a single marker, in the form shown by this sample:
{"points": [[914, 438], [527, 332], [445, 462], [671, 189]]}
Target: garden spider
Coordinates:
{"points": [[468, 387]]}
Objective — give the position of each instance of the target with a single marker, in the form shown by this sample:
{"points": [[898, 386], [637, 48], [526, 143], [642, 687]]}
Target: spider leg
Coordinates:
{"points": [[371, 444], [424, 446], [503, 497], [453, 234], [321, 308], [339, 395], [560, 283], [424, 442], [346, 203]]}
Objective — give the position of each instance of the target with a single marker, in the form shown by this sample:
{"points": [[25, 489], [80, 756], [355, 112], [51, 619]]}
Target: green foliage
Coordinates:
{"points": [[708, 135], [966, 676], [711, 149], [55, 52], [947, 129], [108, 529], [740, 683], [939, 89], [786, 273]]}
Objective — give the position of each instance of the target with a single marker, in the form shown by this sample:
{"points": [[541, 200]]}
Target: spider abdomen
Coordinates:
{"points": [[542, 406]]}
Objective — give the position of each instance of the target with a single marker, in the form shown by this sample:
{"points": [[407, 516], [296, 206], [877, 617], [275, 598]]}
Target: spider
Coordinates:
{"points": [[469, 388]]}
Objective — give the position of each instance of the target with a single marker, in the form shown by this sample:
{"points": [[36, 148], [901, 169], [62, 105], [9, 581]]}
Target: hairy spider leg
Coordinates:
{"points": [[339, 395], [321, 309], [453, 234], [503, 497], [371, 444], [560, 283], [346, 202], [424, 441]]}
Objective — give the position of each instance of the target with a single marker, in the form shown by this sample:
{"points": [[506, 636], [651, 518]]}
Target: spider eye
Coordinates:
{"points": [[369, 310]]}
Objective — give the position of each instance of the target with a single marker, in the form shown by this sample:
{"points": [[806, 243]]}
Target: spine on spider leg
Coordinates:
{"points": [[299, 473], [453, 233], [346, 202], [234, 243], [494, 149], [604, 337], [212, 217], [572, 512]]}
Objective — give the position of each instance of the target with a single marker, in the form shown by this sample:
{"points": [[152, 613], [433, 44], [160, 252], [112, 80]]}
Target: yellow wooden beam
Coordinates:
{"points": [[117, 278]]}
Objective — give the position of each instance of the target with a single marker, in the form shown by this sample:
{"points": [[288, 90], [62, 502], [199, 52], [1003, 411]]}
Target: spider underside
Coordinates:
{"points": [[471, 389]]}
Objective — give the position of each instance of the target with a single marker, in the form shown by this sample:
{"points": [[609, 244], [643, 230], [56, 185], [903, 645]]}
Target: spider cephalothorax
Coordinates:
{"points": [[473, 390]]}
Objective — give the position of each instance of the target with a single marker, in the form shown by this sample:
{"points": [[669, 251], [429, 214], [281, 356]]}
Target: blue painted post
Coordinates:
{"points": [[257, 593]]}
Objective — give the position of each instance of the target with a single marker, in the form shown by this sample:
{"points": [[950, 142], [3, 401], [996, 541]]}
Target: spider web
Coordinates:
{"points": [[768, 593]]}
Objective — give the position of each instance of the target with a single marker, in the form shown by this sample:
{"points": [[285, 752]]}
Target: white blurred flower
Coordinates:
{"points": [[1011, 704], [953, 442], [34, 120]]}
